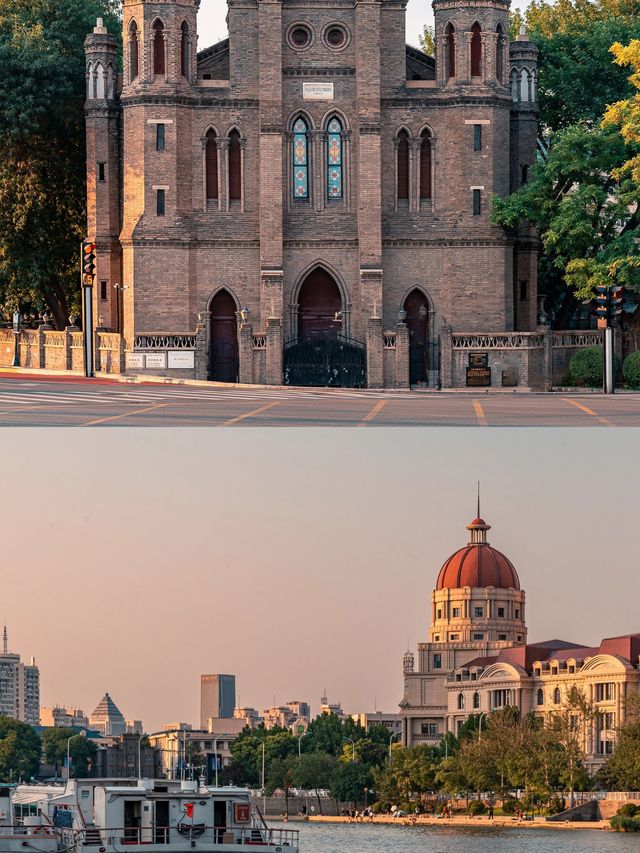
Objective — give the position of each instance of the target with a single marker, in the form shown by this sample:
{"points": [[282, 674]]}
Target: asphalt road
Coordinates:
{"points": [[65, 402]]}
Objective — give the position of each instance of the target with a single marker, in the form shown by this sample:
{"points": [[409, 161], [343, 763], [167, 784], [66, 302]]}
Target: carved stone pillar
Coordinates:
{"points": [[402, 355], [274, 351], [202, 345], [375, 353], [245, 353], [446, 356]]}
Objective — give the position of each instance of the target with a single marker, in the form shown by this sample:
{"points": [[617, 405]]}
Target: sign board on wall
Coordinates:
{"points": [[134, 361], [317, 91], [155, 360], [182, 358]]}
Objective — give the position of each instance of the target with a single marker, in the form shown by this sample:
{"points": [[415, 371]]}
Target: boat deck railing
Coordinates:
{"points": [[212, 835]]}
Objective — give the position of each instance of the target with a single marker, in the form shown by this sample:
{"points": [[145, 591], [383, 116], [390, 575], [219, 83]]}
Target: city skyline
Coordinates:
{"points": [[234, 533]]}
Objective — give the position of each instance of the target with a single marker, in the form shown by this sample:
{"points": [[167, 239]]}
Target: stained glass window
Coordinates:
{"points": [[334, 159], [300, 160]]}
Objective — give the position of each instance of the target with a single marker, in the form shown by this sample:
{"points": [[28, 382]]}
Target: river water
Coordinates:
{"points": [[382, 838]]}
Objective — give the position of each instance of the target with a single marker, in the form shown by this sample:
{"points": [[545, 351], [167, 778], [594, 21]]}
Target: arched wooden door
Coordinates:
{"points": [[318, 301], [417, 309], [223, 350]]}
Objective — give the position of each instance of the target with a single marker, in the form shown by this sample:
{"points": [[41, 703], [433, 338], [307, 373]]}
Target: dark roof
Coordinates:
{"points": [[420, 66], [214, 60], [482, 662]]}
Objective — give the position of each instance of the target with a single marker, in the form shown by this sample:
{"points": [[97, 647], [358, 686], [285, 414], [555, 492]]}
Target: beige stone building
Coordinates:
{"points": [[309, 200], [477, 659]]}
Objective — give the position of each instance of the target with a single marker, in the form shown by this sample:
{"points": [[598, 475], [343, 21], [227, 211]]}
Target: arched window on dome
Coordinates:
{"points": [[460, 701], [499, 53], [184, 50], [556, 696], [300, 164], [158, 48], [540, 696], [211, 166], [476, 50], [425, 164], [476, 700], [334, 159], [133, 51], [450, 34], [402, 166]]}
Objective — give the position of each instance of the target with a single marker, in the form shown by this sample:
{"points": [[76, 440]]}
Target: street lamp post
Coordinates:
{"points": [[264, 795], [353, 748], [480, 726], [304, 734], [79, 734], [391, 737]]}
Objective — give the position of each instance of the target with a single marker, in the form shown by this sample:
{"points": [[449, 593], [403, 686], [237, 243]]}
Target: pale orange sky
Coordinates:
{"points": [[134, 560]]}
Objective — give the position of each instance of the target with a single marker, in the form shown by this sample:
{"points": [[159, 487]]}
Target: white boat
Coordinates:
{"points": [[154, 816]]}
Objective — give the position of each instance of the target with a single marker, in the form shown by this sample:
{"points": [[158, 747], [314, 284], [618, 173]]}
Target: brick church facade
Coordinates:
{"points": [[309, 200]]}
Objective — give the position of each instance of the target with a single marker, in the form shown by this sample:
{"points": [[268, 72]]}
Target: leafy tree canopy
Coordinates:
{"points": [[42, 170], [20, 749]]}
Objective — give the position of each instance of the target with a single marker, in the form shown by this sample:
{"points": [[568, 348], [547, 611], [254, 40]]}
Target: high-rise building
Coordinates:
{"points": [[107, 718], [19, 686], [217, 697]]}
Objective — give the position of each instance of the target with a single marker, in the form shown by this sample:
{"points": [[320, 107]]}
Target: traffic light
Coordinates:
{"points": [[602, 303], [615, 301], [88, 263]]}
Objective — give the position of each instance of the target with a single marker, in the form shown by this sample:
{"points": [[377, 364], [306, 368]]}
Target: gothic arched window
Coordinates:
{"points": [[425, 164], [476, 50], [500, 53], [158, 48], [540, 696], [235, 166], [184, 50], [334, 159], [556, 696], [451, 50], [460, 701], [403, 165], [133, 51], [211, 165], [300, 159]]}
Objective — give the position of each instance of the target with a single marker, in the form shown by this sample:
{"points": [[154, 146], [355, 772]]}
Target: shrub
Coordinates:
{"points": [[556, 805], [628, 810], [631, 370], [585, 367], [476, 807], [509, 805], [625, 824]]}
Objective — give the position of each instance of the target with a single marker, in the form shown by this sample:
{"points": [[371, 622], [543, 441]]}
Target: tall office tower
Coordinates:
{"points": [[217, 697], [19, 686]]}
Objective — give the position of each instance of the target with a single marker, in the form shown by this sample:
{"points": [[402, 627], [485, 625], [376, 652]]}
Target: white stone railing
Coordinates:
{"points": [[389, 340], [259, 341], [589, 338], [145, 342], [499, 340]]}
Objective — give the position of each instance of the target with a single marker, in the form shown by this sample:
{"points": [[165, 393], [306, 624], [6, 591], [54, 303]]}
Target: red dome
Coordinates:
{"points": [[478, 564]]}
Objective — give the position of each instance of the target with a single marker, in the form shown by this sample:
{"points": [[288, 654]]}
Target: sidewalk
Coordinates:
{"points": [[505, 821]]}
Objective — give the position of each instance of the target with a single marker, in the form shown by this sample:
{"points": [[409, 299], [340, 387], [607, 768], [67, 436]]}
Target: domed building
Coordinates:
{"points": [[477, 609], [478, 660]]}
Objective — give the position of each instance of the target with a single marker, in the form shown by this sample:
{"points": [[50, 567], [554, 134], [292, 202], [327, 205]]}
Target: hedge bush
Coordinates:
{"points": [[625, 824], [631, 370], [628, 810], [476, 807], [509, 805], [585, 367]]}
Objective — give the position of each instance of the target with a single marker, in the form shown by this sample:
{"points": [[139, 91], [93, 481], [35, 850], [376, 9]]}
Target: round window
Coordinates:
{"points": [[335, 37], [300, 37]]}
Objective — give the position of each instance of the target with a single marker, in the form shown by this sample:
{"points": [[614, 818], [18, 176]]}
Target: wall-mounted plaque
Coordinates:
{"points": [[317, 91], [157, 360], [478, 359], [181, 359], [134, 361], [478, 377]]}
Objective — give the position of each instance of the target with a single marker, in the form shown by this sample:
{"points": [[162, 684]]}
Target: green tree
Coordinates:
{"points": [[42, 137], [20, 750], [622, 770], [313, 771], [349, 781], [281, 774], [427, 41], [327, 733], [586, 215]]}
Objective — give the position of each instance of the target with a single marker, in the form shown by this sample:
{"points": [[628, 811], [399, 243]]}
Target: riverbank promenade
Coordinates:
{"points": [[466, 821]]}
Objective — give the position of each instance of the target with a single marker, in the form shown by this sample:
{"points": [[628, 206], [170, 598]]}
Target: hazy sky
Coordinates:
{"points": [[296, 559], [212, 26]]}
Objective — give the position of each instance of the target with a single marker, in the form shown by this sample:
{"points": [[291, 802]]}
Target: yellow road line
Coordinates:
{"points": [[371, 415], [127, 414], [588, 411], [480, 415], [249, 414]]}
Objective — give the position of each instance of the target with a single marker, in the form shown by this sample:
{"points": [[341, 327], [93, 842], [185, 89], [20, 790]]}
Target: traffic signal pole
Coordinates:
{"points": [[87, 277], [608, 300]]}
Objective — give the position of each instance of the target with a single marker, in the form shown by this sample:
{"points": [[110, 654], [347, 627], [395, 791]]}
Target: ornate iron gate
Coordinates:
{"points": [[340, 363]]}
